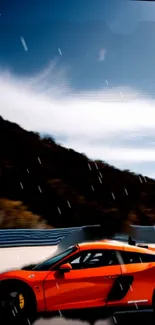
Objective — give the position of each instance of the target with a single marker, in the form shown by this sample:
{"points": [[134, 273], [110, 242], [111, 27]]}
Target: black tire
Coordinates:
{"points": [[17, 302]]}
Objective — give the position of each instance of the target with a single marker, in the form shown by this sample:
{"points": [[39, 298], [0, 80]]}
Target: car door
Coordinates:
{"points": [[87, 284], [137, 266]]}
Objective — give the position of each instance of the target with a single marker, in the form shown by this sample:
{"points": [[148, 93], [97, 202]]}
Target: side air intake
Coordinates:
{"points": [[120, 288]]}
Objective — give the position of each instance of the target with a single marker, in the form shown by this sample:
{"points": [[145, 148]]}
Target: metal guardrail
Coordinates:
{"points": [[37, 237], [52, 237], [143, 233], [32, 237]]}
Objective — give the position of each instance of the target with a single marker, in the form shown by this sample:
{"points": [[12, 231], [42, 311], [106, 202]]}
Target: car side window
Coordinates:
{"points": [[146, 258], [95, 258], [78, 260], [131, 257]]}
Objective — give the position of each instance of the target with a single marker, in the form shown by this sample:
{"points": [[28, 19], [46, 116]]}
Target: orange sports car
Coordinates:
{"points": [[104, 273]]}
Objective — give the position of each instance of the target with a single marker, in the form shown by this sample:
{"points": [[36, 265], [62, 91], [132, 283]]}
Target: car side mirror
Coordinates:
{"points": [[65, 267]]}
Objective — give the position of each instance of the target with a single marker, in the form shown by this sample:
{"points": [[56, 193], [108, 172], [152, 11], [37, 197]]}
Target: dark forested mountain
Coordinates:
{"points": [[43, 184]]}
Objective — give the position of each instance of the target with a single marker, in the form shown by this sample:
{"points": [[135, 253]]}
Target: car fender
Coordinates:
{"points": [[33, 280]]}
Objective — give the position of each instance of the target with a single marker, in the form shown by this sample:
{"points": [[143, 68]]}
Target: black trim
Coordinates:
{"points": [[120, 288], [136, 257]]}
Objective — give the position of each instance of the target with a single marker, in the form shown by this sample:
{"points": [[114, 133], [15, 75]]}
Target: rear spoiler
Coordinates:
{"points": [[143, 245], [151, 248], [84, 234]]}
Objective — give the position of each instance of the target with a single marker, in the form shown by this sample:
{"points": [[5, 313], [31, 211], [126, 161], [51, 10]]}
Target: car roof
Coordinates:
{"points": [[114, 245]]}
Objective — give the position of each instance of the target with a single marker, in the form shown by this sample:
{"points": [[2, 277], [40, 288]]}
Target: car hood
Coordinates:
{"points": [[25, 275]]}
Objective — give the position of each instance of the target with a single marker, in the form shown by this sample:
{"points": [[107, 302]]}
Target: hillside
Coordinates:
{"points": [[57, 187]]}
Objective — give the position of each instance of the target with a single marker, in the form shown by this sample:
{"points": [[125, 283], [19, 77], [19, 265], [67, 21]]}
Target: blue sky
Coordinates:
{"points": [[83, 71]]}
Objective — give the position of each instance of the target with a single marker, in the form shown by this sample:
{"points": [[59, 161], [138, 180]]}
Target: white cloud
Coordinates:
{"points": [[91, 122], [102, 54]]}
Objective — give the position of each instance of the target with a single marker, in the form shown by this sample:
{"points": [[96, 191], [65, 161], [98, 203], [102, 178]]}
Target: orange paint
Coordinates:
{"points": [[83, 288]]}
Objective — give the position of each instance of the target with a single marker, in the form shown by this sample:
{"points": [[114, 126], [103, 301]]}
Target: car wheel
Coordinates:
{"points": [[16, 302]]}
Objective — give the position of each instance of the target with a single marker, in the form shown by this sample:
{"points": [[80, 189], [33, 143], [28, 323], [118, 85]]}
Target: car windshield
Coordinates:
{"points": [[46, 265]]}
